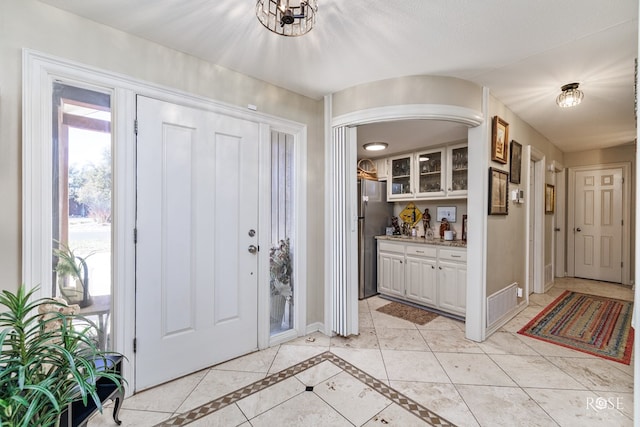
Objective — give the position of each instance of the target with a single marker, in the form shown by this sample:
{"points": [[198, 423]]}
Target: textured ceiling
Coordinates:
{"points": [[522, 50]]}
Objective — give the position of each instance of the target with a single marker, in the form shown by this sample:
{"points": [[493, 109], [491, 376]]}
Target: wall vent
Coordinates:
{"points": [[501, 303]]}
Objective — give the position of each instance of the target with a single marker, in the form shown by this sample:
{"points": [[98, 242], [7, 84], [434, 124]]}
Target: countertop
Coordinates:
{"points": [[421, 240]]}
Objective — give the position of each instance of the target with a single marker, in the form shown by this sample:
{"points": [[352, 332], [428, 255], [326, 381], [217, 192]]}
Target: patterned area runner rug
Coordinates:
{"points": [[588, 323], [407, 312]]}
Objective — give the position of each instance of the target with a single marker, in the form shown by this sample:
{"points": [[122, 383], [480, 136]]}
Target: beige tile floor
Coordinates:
{"points": [[508, 380]]}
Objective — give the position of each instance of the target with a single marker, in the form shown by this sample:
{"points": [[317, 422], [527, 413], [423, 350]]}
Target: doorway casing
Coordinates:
{"points": [[341, 214], [39, 71]]}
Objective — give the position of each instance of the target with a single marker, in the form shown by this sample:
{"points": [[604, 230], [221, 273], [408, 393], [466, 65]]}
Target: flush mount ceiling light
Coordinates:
{"points": [[570, 96], [287, 17], [375, 146]]}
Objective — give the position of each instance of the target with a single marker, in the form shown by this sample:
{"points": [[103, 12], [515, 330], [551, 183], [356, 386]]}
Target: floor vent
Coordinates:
{"points": [[501, 303]]}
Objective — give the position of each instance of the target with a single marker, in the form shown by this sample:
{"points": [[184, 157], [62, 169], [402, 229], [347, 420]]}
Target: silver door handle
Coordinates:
{"points": [[578, 229], [253, 249]]}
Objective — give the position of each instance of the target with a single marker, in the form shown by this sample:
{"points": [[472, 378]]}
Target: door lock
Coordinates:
{"points": [[578, 229], [252, 232], [253, 249]]}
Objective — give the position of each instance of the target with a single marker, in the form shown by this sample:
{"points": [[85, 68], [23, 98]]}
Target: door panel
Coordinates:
{"points": [[598, 225], [196, 284]]}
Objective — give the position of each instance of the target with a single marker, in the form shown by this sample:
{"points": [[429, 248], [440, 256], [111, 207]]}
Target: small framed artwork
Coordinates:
{"points": [[448, 212], [498, 192], [515, 165], [549, 199], [464, 227], [499, 138]]}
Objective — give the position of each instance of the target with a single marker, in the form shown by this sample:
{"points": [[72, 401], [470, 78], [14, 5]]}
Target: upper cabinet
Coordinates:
{"points": [[457, 163], [400, 178], [429, 174]]}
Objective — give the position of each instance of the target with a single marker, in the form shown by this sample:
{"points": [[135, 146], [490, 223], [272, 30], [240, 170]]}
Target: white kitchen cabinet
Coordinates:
{"points": [[439, 173], [391, 269], [382, 168], [457, 176], [400, 179], [430, 173], [429, 275], [421, 279], [452, 286]]}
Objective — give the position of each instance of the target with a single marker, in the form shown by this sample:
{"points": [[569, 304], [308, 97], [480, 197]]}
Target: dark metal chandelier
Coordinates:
{"points": [[287, 17]]}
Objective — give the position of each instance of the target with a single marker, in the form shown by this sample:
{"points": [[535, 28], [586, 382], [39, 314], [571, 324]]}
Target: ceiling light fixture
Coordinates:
{"points": [[375, 146], [570, 96], [285, 19]]}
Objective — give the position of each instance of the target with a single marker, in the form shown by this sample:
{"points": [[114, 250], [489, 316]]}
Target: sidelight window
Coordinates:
{"points": [[81, 204]]}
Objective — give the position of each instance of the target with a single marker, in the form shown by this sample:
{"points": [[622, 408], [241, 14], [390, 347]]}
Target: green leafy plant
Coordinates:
{"points": [[46, 362], [72, 266]]}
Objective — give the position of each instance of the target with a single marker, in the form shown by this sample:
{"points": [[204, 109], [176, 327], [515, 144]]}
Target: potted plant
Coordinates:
{"points": [[280, 271], [46, 361], [73, 275]]}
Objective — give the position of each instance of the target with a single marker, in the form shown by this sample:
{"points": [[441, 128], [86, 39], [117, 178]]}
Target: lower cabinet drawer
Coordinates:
{"points": [[426, 251], [451, 255]]}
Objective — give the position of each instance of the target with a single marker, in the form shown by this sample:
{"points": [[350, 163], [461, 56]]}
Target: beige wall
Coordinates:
{"points": [[408, 90], [506, 235], [31, 24]]}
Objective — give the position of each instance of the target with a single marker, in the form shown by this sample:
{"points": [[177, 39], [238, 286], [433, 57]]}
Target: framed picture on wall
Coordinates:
{"points": [[549, 199], [498, 192], [515, 165], [499, 140]]}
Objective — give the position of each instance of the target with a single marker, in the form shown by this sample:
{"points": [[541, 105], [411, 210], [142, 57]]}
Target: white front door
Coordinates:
{"points": [[598, 225], [196, 280]]}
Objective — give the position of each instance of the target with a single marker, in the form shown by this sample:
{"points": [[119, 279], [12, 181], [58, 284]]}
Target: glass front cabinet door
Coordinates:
{"points": [[430, 173], [399, 178], [457, 178]]}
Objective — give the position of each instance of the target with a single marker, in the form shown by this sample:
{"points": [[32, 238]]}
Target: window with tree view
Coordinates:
{"points": [[81, 229]]}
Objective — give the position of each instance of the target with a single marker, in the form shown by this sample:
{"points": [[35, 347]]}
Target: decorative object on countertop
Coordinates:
{"points": [[411, 214], [396, 226], [429, 234], [444, 226], [426, 220], [367, 169]]}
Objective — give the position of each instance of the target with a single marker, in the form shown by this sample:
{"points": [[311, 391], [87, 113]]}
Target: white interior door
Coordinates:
{"points": [[598, 225], [197, 282]]}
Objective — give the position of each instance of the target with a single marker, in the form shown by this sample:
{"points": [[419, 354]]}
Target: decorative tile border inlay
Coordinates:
{"points": [[398, 398]]}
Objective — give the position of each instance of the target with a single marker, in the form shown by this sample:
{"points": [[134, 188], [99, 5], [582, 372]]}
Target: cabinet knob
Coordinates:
{"points": [[440, 268], [433, 267]]}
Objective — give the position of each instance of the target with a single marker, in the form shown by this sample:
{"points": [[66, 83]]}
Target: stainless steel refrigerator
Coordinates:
{"points": [[374, 215]]}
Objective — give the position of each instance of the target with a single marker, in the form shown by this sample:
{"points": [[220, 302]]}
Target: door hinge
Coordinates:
{"points": [[622, 222], [621, 264], [135, 236], [135, 345], [135, 126]]}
